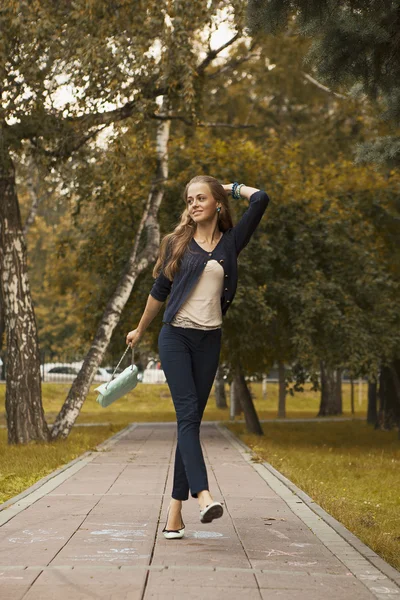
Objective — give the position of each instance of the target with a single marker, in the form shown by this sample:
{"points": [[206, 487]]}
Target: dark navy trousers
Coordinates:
{"points": [[189, 359]]}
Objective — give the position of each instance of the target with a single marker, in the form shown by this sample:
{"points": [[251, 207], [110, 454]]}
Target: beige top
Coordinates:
{"points": [[202, 308]]}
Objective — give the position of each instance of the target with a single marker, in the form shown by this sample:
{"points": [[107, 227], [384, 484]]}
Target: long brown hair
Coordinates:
{"points": [[174, 244]]}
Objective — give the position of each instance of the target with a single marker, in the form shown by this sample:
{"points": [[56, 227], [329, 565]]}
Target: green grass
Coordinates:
{"points": [[152, 402], [349, 469], [22, 466]]}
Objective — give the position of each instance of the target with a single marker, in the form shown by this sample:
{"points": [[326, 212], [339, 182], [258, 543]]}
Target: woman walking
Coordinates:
{"points": [[197, 263]]}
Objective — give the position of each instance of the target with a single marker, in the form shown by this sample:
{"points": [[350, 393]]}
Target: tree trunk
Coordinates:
{"points": [[219, 386], [2, 322], [352, 396], [331, 395], [389, 396], [33, 187], [234, 396], [136, 265], [264, 387], [338, 391], [282, 390], [372, 413], [242, 393], [395, 373], [24, 411]]}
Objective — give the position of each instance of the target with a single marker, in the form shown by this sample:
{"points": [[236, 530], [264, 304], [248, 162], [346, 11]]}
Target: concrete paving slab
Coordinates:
{"points": [[108, 545], [38, 533], [15, 583], [168, 578], [149, 480], [260, 508], [319, 593], [96, 478], [81, 584], [239, 482], [96, 532], [346, 586], [286, 560], [197, 593], [126, 507], [304, 581]]}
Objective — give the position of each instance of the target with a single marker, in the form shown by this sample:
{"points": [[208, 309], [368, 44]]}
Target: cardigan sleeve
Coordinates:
{"points": [[249, 221], [162, 285], [161, 288]]}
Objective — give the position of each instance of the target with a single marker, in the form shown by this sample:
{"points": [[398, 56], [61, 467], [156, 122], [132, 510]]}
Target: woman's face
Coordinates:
{"points": [[200, 203]]}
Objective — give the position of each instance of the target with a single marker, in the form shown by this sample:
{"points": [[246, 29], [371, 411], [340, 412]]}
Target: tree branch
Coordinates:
{"points": [[323, 87], [199, 124], [235, 62], [35, 128], [214, 53], [32, 127]]}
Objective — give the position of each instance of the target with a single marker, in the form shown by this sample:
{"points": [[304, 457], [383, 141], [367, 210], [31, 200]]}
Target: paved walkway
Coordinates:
{"points": [[94, 531]]}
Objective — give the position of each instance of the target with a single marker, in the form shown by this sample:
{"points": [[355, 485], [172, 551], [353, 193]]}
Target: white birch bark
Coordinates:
{"points": [[24, 411]]}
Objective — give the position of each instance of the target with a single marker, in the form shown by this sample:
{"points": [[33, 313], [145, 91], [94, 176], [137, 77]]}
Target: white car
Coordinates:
{"points": [[153, 374], [63, 372]]}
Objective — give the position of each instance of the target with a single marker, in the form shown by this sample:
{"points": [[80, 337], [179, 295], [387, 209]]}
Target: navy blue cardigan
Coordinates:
{"points": [[195, 258]]}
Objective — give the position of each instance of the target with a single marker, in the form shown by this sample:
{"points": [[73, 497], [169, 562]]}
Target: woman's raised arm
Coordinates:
{"points": [[250, 219]]}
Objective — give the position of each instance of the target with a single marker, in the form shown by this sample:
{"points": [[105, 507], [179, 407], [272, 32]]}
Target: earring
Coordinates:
{"points": [[218, 209]]}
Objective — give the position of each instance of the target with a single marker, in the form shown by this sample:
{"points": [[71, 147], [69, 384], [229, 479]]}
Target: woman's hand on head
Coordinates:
{"points": [[227, 187], [133, 337]]}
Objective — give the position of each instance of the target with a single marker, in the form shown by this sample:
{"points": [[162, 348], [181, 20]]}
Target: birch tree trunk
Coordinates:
{"points": [[24, 411], [2, 322], [137, 263]]}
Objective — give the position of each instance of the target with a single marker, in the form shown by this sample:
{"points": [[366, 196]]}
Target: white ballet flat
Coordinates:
{"points": [[211, 511], [173, 534]]}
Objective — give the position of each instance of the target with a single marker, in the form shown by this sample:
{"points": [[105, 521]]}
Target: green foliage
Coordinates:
{"points": [[68, 71], [113, 62], [354, 46], [334, 296], [318, 278], [314, 281]]}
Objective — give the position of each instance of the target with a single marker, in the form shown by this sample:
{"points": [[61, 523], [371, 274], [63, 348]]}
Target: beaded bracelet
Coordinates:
{"points": [[236, 187]]}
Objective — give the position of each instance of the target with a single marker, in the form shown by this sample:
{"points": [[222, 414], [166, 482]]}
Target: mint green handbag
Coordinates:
{"points": [[119, 386]]}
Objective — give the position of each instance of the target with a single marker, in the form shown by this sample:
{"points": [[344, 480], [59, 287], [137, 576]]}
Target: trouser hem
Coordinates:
{"points": [[195, 494], [181, 499]]}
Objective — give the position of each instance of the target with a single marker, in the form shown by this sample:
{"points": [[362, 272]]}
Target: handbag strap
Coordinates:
{"points": [[122, 358]]}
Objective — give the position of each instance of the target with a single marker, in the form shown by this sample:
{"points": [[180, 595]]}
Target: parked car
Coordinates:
{"points": [[153, 373], [62, 372]]}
